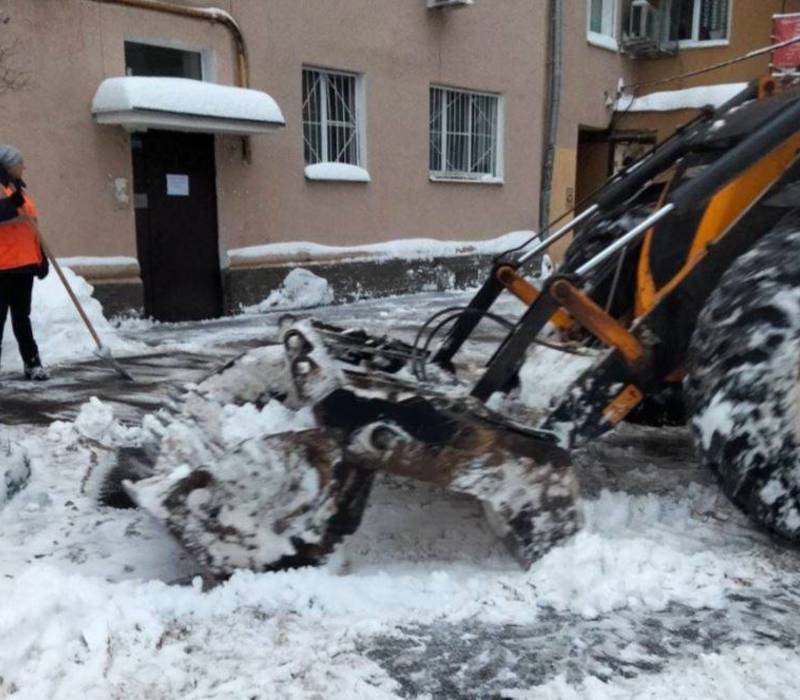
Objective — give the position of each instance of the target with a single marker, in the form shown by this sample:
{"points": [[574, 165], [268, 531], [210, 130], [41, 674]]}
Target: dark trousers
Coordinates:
{"points": [[16, 289]]}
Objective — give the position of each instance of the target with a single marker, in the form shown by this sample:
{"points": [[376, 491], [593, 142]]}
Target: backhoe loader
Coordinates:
{"points": [[683, 275]]}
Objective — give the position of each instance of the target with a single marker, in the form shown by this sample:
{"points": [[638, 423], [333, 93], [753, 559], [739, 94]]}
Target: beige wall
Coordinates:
{"points": [[751, 28], [591, 76], [400, 47]]}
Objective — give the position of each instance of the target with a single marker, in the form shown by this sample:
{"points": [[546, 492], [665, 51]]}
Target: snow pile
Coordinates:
{"points": [[69, 636], [342, 172], [57, 327], [404, 249], [629, 572], [301, 289], [422, 556]]}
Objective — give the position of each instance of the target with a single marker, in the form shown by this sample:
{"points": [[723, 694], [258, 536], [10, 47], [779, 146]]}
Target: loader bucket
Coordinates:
{"points": [[285, 500]]}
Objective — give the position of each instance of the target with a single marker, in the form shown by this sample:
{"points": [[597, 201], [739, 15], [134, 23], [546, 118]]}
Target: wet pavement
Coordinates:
{"points": [[186, 352]]}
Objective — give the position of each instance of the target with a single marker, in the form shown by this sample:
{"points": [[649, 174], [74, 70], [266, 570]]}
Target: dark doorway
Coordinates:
{"points": [[176, 224], [593, 163], [174, 181]]}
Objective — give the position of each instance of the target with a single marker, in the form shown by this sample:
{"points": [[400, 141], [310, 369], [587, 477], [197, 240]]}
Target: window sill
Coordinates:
{"points": [[602, 41], [487, 180], [336, 172], [709, 44]]}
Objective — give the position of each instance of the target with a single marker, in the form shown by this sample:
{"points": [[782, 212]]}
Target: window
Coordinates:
{"points": [[465, 135], [700, 21], [332, 122], [602, 24], [160, 61]]}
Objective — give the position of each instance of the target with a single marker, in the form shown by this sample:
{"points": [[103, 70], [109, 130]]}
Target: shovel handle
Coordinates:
{"points": [[46, 251]]}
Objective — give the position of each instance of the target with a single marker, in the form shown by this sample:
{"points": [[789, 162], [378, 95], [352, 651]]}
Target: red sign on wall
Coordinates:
{"points": [[784, 28]]}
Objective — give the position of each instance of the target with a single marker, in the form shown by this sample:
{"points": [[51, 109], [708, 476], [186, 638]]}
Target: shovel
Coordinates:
{"points": [[102, 351]]}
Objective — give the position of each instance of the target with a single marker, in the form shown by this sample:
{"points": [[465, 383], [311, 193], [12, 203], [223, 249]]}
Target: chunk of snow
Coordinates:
{"points": [[301, 289], [688, 98], [547, 375], [15, 470], [336, 171]]}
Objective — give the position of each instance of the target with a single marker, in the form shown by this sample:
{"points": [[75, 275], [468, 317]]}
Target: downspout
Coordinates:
{"points": [[554, 71], [209, 14]]}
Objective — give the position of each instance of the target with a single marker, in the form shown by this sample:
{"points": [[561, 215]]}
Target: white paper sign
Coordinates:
{"points": [[177, 185]]}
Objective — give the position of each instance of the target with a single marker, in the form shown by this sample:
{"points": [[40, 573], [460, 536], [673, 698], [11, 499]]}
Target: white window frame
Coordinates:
{"points": [[360, 115], [496, 178], [604, 41], [695, 42]]}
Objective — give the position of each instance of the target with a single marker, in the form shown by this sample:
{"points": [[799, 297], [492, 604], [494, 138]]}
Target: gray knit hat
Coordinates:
{"points": [[10, 156]]}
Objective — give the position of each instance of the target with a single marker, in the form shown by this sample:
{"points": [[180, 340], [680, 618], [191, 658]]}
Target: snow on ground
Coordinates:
{"points": [[746, 673], [667, 591], [88, 609]]}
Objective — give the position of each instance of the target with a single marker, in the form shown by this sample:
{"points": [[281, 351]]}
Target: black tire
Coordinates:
{"points": [[743, 390]]}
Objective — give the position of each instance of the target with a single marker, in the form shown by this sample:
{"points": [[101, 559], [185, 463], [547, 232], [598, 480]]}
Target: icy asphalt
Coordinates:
{"points": [[669, 593]]}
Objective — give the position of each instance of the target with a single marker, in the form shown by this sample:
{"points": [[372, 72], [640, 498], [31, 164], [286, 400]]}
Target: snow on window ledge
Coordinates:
{"points": [[468, 179], [336, 172], [702, 43]]}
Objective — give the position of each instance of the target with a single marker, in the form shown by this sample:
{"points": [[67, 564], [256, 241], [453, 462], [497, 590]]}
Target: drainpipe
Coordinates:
{"points": [[554, 68], [209, 14]]}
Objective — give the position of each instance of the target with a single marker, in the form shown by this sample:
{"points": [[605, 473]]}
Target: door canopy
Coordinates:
{"points": [[180, 104]]}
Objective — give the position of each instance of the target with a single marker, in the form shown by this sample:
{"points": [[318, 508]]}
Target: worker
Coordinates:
{"points": [[21, 259]]}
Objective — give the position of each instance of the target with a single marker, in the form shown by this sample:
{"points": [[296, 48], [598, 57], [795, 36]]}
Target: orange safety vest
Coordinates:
{"points": [[19, 244]]}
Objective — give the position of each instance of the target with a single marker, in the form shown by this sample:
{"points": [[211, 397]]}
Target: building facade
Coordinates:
{"points": [[436, 115], [365, 121], [647, 43]]}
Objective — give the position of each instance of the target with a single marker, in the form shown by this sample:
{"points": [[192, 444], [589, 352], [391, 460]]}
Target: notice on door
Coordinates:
{"points": [[177, 185]]}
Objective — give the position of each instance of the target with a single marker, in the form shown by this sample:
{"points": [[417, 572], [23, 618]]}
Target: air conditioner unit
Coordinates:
{"points": [[642, 21], [646, 30], [449, 3]]}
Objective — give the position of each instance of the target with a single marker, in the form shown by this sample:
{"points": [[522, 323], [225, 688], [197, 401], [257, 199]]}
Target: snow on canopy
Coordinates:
{"points": [[186, 97], [689, 98]]}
